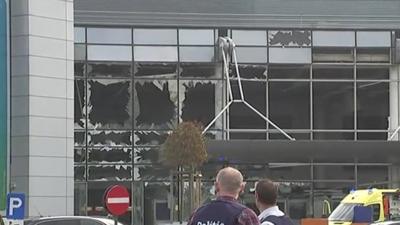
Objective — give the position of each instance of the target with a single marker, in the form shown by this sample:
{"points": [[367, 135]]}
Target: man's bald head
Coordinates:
{"points": [[230, 181]]}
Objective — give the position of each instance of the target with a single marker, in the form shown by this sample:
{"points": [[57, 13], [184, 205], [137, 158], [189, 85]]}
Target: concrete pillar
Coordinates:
{"points": [[394, 96], [42, 100]]}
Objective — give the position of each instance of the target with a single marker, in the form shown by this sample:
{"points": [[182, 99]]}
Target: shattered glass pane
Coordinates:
{"points": [[147, 155], [149, 138], [79, 173], [297, 38], [201, 70], [200, 100], [241, 116], [156, 70], [79, 155], [110, 172], [109, 69], [110, 155], [249, 71], [150, 172], [79, 138], [79, 69], [110, 104], [79, 104], [109, 138], [155, 104]]}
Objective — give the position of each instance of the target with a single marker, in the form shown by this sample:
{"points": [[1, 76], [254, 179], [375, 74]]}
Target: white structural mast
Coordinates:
{"points": [[228, 50]]}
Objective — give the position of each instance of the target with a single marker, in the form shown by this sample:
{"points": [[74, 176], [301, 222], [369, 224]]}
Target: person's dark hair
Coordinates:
{"points": [[267, 192]]}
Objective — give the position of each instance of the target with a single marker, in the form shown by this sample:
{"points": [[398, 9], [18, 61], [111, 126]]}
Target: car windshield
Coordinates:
{"points": [[344, 212]]}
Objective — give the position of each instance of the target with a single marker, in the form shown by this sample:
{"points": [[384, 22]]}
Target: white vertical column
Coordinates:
{"points": [[394, 101], [42, 100]]}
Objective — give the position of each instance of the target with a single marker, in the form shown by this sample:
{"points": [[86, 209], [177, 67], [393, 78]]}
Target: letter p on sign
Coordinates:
{"points": [[15, 206]]}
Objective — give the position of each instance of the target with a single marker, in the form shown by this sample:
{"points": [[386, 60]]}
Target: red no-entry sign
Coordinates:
{"points": [[117, 200]]}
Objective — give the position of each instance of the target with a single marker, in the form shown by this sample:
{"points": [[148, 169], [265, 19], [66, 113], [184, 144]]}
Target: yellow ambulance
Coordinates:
{"points": [[385, 205]]}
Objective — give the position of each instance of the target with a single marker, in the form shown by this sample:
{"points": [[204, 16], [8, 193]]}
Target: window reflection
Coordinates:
{"points": [[156, 53], [109, 53]]}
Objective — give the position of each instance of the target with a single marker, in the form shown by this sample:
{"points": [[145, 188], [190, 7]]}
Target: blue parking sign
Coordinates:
{"points": [[15, 206]]}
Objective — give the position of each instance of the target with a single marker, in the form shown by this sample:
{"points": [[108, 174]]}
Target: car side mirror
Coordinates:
{"points": [[362, 214]]}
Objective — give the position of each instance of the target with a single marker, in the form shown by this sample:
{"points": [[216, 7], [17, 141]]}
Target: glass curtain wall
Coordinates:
{"points": [[134, 85]]}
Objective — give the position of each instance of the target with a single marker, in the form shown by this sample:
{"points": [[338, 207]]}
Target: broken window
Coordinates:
{"points": [[249, 71], [288, 71], [372, 105], [79, 138], [79, 173], [149, 138], [79, 155], [289, 104], [95, 201], [146, 155], [109, 104], [156, 70], [155, 104], [110, 155], [200, 100], [79, 104], [109, 69], [241, 116], [79, 69], [110, 172], [282, 38], [150, 173], [109, 138], [201, 70]]}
